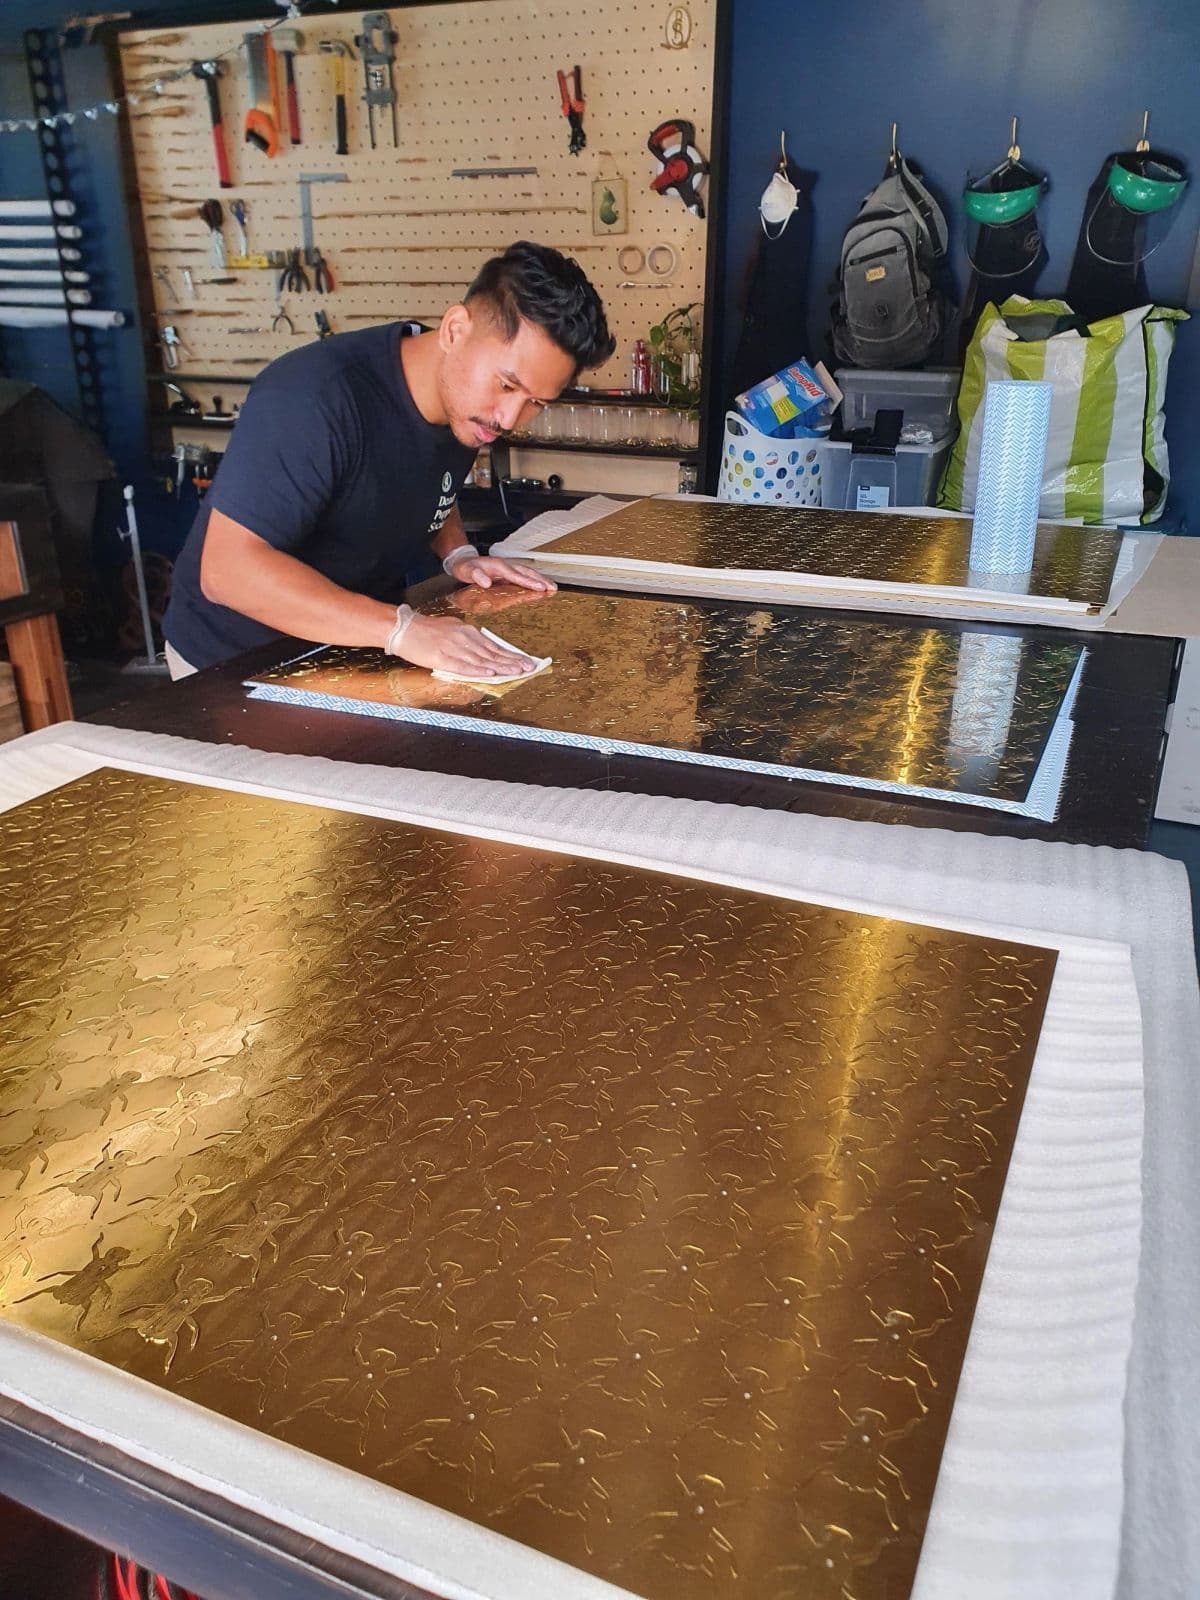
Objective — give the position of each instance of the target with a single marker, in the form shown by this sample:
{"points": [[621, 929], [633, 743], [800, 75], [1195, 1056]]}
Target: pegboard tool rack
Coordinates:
{"points": [[476, 86]]}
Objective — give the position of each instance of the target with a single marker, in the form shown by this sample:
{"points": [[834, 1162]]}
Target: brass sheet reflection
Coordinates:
{"points": [[1069, 563], [639, 1219], [916, 705]]}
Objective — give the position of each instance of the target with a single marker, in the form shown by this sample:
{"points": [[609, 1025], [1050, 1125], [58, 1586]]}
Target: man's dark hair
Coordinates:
{"points": [[534, 283]]}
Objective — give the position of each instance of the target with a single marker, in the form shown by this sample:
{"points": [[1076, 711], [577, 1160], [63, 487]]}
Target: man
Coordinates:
{"points": [[345, 464]]}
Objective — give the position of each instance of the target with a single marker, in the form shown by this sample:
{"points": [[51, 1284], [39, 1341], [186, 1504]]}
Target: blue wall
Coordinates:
{"points": [[44, 356], [952, 73]]}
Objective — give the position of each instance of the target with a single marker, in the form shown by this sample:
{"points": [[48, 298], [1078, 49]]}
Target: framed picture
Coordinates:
{"points": [[610, 212]]}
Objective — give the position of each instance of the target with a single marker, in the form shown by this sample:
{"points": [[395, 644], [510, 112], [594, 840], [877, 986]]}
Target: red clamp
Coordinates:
{"points": [[573, 105]]}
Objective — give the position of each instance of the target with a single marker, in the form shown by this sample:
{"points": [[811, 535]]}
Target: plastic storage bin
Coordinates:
{"points": [[926, 398], [918, 473]]}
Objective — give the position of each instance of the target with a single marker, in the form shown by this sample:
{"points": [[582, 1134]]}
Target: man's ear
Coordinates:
{"points": [[455, 327]]}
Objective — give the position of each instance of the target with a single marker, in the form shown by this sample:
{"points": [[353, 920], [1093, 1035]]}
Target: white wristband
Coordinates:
{"points": [[404, 616], [461, 554]]}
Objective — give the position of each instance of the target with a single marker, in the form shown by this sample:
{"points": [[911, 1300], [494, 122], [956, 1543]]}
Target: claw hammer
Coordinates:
{"points": [[341, 53]]}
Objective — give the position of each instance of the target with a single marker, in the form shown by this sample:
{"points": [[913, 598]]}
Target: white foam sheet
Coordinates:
{"points": [[1032, 1485], [642, 577]]}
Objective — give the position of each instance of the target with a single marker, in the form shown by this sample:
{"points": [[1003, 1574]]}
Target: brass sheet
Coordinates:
{"points": [[639, 1219], [916, 705], [1069, 563]]}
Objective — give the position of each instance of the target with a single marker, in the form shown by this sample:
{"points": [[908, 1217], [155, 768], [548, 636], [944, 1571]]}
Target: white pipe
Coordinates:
{"points": [[41, 275], [37, 208], [16, 254], [48, 317], [45, 297], [130, 532], [64, 230]]}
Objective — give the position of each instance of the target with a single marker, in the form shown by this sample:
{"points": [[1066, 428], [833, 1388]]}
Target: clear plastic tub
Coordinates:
{"points": [[926, 398], [918, 470]]}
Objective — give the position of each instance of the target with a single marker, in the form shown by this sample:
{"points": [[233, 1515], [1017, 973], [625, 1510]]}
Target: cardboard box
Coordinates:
{"points": [[787, 405], [11, 726]]}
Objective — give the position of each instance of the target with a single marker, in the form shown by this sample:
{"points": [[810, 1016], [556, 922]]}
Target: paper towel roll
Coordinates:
{"points": [[1016, 421]]}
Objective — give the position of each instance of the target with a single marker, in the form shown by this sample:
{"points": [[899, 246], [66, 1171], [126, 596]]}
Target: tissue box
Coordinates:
{"points": [[790, 404]]}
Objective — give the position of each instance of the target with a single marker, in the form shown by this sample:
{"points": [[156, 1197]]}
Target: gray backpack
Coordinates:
{"points": [[889, 311]]}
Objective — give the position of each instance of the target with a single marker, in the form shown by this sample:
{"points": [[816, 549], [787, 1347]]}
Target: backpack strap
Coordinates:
{"points": [[928, 211]]}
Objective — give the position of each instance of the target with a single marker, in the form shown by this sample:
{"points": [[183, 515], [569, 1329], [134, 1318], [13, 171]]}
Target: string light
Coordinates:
{"points": [[112, 108]]}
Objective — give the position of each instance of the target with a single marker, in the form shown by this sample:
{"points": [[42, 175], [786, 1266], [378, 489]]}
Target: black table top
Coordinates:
{"points": [[1107, 798]]}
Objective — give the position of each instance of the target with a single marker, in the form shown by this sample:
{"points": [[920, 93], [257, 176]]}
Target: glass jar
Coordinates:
{"points": [[576, 424], [631, 424], [662, 427], [547, 424]]}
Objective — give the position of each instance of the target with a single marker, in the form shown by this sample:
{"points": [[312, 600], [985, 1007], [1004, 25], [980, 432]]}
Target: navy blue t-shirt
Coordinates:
{"points": [[332, 462]]}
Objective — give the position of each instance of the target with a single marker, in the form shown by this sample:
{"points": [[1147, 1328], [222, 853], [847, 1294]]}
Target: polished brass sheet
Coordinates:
{"points": [[639, 1219], [1069, 563], [900, 703]]}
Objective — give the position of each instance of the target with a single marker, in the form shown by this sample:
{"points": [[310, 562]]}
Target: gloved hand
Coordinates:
{"points": [[484, 571], [444, 645]]}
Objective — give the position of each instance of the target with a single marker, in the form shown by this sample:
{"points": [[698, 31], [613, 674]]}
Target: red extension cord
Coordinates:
{"points": [[121, 1579]]}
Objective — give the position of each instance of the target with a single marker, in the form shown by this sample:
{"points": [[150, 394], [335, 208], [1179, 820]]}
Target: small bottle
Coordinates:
{"points": [[481, 475], [640, 371], [688, 477]]}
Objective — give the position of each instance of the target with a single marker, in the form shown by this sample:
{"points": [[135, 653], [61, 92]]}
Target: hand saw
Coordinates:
{"points": [[262, 119]]}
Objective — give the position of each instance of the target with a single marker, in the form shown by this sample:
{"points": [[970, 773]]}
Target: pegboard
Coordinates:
{"points": [[476, 86]]}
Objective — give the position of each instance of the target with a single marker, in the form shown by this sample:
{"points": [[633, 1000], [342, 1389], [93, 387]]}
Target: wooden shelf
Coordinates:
{"points": [[668, 452], [612, 397]]}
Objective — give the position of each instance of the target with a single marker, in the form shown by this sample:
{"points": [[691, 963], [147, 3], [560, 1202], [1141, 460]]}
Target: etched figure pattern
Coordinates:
{"points": [[639, 1219], [1069, 562]]}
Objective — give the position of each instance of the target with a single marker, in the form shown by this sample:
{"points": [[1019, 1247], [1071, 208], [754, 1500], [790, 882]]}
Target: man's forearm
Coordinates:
{"points": [[243, 572]]}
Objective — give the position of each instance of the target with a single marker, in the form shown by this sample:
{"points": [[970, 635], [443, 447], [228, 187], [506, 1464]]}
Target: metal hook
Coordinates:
{"points": [[782, 153], [895, 158], [1014, 149], [1144, 143]]}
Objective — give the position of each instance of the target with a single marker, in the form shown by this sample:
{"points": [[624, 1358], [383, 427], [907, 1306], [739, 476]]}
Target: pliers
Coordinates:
{"points": [[281, 321], [293, 279], [322, 277], [573, 105]]}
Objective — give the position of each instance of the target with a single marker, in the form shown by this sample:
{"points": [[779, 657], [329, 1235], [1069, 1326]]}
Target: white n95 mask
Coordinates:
{"points": [[779, 199]]}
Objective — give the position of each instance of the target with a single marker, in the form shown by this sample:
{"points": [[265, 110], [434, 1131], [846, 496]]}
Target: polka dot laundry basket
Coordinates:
{"points": [[759, 470]]}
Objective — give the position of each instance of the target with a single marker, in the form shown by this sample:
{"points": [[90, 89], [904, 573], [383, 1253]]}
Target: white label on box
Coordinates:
{"points": [[873, 497]]}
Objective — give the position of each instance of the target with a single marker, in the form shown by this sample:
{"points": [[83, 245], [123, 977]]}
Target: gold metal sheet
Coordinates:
{"points": [[910, 705], [639, 1219], [1069, 563]]}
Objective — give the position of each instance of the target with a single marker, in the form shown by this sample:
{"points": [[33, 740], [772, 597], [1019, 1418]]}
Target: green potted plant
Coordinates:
{"points": [[675, 359]]}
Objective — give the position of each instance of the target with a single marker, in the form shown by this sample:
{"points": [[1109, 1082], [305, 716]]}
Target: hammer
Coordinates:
{"points": [[288, 42], [208, 72], [342, 53]]}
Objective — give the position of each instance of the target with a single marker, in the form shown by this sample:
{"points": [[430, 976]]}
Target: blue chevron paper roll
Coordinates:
{"points": [[1016, 422]]}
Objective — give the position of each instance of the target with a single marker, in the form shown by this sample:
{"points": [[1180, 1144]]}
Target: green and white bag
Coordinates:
{"points": [[1106, 459]]}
